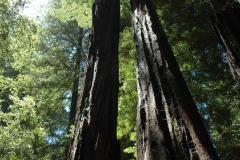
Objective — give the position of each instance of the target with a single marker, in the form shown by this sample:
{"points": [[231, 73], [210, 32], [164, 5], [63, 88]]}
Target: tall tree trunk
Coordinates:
{"points": [[96, 119], [227, 28], [169, 126], [76, 77]]}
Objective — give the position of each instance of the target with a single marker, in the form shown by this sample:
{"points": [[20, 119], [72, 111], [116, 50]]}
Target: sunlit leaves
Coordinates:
{"points": [[36, 79], [126, 130], [18, 129], [81, 11]]}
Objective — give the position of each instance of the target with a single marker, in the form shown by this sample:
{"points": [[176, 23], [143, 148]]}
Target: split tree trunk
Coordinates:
{"points": [[169, 126], [95, 126], [227, 28]]}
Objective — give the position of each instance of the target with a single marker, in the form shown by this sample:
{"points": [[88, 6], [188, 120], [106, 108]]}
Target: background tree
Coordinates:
{"points": [[126, 131], [226, 24], [61, 50]]}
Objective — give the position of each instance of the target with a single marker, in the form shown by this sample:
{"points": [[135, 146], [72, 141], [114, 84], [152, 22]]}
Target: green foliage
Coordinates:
{"points": [[68, 10], [19, 32], [36, 81], [19, 129], [13, 29], [126, 130], [125, 14]]}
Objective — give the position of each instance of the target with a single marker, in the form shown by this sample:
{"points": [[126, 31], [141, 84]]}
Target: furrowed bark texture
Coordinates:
{"points": [[169, 126], [227, 28], [95, 126]]}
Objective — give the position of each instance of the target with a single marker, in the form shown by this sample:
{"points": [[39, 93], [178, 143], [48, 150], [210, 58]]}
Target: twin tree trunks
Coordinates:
{"points": [[169, 126]]}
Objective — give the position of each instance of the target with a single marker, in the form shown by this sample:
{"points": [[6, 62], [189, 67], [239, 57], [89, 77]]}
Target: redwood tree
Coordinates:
{"points": [[76, 80], [168, 123], [75, 86], [96, 119], [226, 23]]}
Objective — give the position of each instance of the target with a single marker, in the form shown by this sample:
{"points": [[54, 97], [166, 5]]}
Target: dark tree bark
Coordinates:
{"points": [[95, 126], [169, 126], [226, 25]]}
